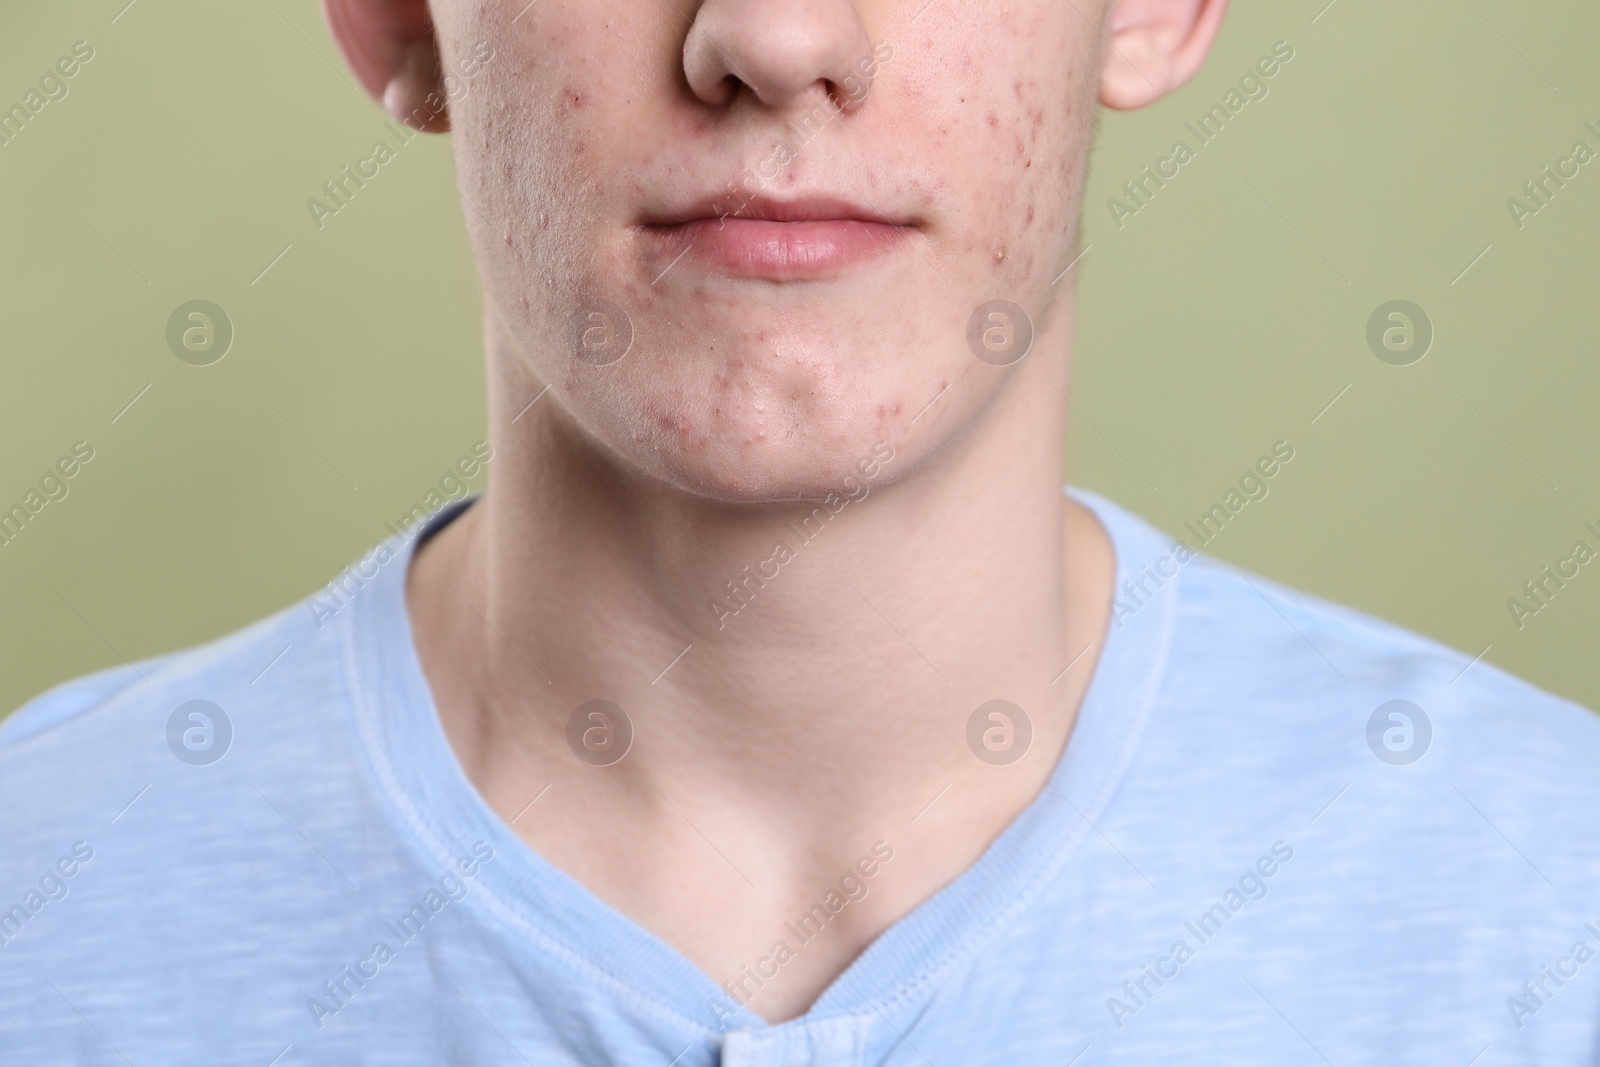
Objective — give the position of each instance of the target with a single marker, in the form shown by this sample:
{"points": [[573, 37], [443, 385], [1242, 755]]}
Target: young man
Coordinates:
{"points": [[774, 706]]}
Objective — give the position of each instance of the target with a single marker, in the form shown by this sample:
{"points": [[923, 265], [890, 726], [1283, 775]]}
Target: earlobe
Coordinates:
{"points": [[414, 94], [1154, 47], [389, 46]]}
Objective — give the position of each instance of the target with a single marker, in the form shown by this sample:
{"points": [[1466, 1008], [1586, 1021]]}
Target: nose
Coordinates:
{"points": [[779, 50]]}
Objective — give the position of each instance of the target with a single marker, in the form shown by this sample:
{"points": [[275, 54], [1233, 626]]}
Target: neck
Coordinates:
{"points": [[764, 644], [782, 726]]}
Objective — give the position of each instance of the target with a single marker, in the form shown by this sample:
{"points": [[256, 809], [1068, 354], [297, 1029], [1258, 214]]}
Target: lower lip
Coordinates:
{"points": [[779, 251]]}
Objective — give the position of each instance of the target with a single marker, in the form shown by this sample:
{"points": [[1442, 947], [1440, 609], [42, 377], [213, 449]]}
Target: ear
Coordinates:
{"points": [[1154, 47], [390, 47]]}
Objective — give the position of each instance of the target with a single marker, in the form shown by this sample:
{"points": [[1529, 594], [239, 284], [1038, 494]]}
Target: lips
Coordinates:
{"points": [[812, 238]]}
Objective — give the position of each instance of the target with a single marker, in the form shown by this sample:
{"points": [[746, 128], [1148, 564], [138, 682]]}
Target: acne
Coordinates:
{"points": [[674, 424], [759, 381]]}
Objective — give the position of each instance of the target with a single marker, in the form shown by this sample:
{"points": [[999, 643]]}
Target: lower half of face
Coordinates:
{"points": [[743, 294]]}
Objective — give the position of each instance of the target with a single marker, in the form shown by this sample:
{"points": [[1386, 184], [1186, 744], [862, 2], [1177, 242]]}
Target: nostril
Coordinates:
{"points": [[724, 91], [780, 50], [850, 92]]}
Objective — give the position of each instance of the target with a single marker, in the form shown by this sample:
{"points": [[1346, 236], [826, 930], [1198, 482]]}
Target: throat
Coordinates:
{"points": [[770, 805]]}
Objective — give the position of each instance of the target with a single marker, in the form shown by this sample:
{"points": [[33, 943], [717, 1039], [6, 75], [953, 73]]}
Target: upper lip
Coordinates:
{"points": [[769, 209]]}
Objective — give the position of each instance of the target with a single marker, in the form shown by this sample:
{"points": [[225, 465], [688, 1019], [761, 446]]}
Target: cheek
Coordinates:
{"points": [[538, 155], [533, 144], [1038, 148], [573, 127], [1017, 123]]}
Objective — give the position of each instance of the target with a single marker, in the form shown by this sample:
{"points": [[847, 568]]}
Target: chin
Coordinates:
{"points": [[773, 474], [754, 446], [750, 412]]}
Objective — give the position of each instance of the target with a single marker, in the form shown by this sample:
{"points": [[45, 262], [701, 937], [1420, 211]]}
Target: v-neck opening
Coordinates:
{"points": [[416, 769]]}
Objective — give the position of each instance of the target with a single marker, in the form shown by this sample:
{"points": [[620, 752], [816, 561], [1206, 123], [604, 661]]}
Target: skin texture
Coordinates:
{"points": [[773, 746]]}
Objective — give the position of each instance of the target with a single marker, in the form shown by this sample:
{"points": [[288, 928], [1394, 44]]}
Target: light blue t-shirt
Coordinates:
{"points": [[1248, 854]]}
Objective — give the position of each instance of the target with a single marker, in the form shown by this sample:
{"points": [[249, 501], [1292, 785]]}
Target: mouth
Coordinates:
{"points": [[813, 238]]}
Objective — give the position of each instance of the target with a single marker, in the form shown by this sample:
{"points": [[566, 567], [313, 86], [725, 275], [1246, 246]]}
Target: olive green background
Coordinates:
{"points": [[1224, 316]]}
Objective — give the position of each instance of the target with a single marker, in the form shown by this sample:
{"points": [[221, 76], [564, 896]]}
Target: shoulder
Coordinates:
{"points": [[73, 756], [215, 666], [1285, 634], [1323, 691], [1285, 690], [1266, 650], [217, 796]]}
